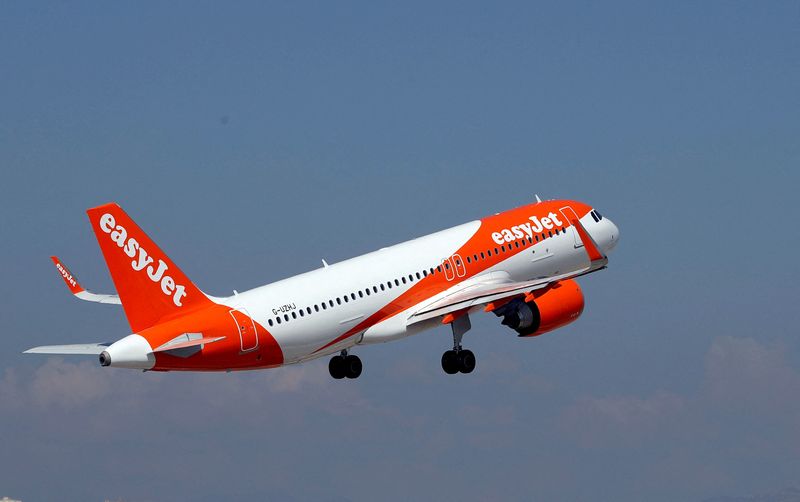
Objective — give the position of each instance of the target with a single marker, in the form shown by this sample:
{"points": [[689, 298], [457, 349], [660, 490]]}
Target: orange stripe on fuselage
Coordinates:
{"points": [[481, 241], [213, 321]]}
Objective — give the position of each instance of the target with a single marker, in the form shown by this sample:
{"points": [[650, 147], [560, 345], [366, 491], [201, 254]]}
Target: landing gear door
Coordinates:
{"points": [[248, 335], [570, 215]]}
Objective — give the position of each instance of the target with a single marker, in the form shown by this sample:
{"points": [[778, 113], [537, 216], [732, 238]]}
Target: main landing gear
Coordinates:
{"points": [[344, 365], [458, 359]]}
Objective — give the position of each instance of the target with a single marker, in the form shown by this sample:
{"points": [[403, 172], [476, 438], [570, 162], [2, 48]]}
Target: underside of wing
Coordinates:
{"points": [[98, 298], [482, 293]]}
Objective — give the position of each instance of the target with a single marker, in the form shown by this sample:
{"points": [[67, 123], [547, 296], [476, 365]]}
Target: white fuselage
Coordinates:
{"points": [[300, 336]]}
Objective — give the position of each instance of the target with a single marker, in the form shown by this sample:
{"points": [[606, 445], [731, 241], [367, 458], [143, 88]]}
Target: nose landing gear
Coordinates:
{"points": [[345, 365], [458, 359]]}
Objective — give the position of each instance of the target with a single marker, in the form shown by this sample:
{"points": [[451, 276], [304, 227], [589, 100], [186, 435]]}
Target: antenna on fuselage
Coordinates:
{"points": [[324, 263], [538, 200]]}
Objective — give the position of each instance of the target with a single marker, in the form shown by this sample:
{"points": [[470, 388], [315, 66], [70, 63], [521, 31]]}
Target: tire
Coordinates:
{"points": [[336, 367], [466, 361], [450, 362], [353, 366]]}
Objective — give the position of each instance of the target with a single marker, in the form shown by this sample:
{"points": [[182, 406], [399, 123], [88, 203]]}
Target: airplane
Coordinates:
{"points": [[519, 265]]}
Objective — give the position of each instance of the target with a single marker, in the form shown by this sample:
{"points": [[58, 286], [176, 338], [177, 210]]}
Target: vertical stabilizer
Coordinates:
{"points": [[150, 286]]}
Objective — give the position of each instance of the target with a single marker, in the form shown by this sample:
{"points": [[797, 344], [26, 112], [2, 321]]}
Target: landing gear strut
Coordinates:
{"points": [[344, 365], [459, 359]]}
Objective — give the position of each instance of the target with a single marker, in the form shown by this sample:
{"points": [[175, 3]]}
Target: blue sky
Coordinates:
{"points": [[252, 140]]}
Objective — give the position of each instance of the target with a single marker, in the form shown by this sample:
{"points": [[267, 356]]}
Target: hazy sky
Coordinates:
{"points": [[252, 140]]}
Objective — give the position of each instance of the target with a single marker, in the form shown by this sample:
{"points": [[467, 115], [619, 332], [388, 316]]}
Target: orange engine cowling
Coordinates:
{"points": [[545, 310]]}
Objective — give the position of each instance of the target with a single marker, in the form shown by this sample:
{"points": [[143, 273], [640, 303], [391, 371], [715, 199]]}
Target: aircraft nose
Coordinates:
{"points": [[613, 235]]}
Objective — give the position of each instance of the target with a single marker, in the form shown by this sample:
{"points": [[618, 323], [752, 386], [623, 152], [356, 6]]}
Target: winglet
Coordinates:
{"points": [[76, 289], [69, 279], [595, 255]]}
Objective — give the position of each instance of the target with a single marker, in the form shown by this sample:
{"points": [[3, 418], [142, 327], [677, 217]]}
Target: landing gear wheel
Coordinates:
{"points": [[450, 362], [336, 367], [466, 361], [352, 366]]}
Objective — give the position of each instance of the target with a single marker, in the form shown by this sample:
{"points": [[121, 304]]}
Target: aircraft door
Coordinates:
{"points": [[459, 265], [246, 327]]}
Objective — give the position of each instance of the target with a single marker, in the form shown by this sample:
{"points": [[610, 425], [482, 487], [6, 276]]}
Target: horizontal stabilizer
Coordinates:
{"points": [[92, 349], [175, 345], [76, 289]]}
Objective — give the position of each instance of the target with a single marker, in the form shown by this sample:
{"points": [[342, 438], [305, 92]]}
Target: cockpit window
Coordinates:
{"points": [[599, 216], [594, 216]]}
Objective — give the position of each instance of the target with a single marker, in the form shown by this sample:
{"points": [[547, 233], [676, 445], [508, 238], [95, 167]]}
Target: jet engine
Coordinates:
{"points": [[545, 310]]}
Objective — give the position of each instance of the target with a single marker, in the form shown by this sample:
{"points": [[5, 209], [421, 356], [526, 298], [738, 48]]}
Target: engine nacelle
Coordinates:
{"points": [[551, 308]]}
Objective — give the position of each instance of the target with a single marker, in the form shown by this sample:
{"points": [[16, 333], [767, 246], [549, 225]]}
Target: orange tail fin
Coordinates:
{"points": [[150, 286]]}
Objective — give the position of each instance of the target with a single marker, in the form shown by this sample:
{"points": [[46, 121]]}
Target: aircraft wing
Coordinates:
{"points": [[80, 348], [483, 292], [76, 289], [497, 286]]}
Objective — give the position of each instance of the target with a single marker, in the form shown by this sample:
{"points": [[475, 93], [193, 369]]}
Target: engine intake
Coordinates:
{"points": [[551, 308]]}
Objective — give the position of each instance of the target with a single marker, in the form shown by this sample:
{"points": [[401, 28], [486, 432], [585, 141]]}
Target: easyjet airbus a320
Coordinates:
{"points": [[519, 265]]}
